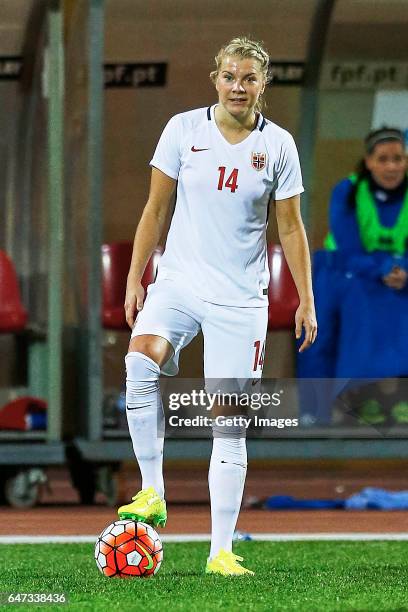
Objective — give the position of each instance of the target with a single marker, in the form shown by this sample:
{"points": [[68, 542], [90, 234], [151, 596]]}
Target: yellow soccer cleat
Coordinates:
{"points": [[146, 507], [226, 564]]}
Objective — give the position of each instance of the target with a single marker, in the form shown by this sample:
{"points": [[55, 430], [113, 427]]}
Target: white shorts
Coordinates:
{"points": [[234, 337]]}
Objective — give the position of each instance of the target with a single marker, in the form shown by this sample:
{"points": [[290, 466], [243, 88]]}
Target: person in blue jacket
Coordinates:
{"points": [[361, 278], [369, 212]]}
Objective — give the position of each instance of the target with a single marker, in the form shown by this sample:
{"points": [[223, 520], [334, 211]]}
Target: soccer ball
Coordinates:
{"points": [[126, 548]]}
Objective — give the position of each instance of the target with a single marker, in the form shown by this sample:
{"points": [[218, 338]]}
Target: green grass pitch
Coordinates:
{"points": [[295, 576]]}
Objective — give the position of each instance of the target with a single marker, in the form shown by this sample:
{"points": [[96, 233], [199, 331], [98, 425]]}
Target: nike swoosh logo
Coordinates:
{"points": [[233, 463], [149, 557], [194, 150]]}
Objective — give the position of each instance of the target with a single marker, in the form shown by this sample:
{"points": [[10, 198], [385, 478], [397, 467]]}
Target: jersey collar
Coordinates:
{"points": [[259, 125]]}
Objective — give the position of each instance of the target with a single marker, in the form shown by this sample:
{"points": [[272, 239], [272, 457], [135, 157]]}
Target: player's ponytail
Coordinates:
{"points": [[243, 48]]}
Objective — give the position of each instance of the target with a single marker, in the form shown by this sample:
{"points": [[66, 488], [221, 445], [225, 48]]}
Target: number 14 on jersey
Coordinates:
{"points": [[231, 182]]}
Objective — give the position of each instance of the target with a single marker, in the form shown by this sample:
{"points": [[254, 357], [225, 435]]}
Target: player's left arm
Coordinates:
{"points": [[295, 247]]}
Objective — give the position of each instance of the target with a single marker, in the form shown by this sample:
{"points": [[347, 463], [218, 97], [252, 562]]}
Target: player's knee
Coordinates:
{"points": [[155, 347], [142, 379], [231, 428]]}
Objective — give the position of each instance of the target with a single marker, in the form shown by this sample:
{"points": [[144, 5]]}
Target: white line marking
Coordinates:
{"points": [[203, 537]]}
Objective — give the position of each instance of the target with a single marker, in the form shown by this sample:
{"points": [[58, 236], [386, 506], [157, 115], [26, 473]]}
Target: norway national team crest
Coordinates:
{"points": [[258, 160]]}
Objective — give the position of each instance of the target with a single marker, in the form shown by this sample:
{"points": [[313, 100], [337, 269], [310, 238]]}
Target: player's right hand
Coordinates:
{"points": [[396, 279], [133, 302]]}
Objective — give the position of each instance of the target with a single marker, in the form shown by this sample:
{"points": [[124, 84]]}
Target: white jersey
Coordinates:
{"points": [[216, 243]]}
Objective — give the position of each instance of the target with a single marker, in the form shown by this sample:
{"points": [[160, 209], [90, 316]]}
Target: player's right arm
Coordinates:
{"points": [[148, 233]]}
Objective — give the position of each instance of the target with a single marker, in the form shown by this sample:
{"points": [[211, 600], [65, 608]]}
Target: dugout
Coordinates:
{"points": [[100, 79], [32, 176]]}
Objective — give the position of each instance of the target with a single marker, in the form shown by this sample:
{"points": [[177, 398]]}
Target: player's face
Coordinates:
{"points": [[239, 83], [387, 164]]}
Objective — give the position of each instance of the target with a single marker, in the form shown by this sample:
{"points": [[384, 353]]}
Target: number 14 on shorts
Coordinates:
{"points": [[259, 355]]}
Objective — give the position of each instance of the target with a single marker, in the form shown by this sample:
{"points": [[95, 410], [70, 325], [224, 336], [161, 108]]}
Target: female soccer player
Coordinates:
{"points": [[369, 211], [361, 283], [228, 163], [361, 288]]}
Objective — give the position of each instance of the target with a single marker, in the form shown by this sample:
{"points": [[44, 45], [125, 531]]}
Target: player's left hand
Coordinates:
{"points": [[306, 318]]}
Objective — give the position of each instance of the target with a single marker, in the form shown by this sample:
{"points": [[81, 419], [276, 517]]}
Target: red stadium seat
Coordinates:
{"points": [[116, 258], [13, 315], [282, 292]]}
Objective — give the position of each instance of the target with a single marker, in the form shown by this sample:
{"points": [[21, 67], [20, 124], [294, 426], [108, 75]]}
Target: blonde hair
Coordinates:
{"points": [[243, 48]]}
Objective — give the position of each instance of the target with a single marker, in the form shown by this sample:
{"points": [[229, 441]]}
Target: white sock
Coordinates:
{"points": [[144, 410], [226, 480]]}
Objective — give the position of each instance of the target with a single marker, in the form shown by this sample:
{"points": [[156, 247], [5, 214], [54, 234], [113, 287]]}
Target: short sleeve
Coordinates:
{"points": [[288, 173], [168, 151]]}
